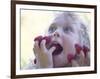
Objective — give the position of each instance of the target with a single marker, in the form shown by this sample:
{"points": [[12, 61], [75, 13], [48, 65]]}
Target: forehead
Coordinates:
{"points": [[64, 19]]}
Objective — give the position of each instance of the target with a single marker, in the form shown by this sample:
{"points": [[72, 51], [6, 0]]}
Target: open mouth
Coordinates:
{"points": [[58, 49], [50, 43]]}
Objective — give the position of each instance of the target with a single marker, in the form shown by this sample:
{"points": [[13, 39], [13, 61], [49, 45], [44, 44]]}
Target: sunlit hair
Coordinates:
{"points": [[81, 25]]}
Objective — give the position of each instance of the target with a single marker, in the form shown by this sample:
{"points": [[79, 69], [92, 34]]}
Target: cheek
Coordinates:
{"points": [[68, 44]]}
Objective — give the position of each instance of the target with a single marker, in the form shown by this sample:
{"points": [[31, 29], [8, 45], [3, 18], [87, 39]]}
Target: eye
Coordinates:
{"points": [[52, 28], [67, 29]]}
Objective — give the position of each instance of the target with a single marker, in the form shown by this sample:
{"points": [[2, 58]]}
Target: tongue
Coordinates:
{"points": [[58, 49]]}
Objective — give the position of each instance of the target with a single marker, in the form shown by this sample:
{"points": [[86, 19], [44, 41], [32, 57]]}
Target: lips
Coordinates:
{"points": [[50, 44]]}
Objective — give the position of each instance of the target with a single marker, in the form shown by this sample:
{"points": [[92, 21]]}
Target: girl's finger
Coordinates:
{"points": [[43, 45], [34, 51], [75, 63], [36, 45], [81, 58], [52, 49]]}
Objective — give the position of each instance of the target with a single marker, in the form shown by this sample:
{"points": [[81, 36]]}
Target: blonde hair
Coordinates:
{"points": [[82, 27]]}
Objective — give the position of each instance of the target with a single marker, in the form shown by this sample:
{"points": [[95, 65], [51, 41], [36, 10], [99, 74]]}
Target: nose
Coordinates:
{"points": [[56, 34]]}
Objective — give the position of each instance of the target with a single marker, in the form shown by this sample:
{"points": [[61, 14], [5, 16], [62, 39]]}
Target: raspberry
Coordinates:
{"points": [[50, 44], [48, 39], [85, 50], [70, 57], [78, 48], [39, 39]]}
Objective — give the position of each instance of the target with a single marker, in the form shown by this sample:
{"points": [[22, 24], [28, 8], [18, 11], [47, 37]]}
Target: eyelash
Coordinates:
{"points": [[67, 29], [52, 29]]}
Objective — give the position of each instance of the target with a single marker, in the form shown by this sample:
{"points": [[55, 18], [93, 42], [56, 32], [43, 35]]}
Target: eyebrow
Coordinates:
{"points": [[53, 24], [71, 27]]}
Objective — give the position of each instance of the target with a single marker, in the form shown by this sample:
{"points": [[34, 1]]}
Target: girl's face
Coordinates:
{"points": [[65, 32]]}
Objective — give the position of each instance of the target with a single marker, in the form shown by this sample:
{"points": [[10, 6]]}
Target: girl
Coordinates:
{"points": [[69, 34]]}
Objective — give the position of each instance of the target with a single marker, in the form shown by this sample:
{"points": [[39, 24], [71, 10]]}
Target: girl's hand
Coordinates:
{"points": [[43, 55], [81, 60]]}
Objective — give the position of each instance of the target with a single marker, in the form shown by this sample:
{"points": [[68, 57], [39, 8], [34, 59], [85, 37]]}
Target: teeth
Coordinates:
{"points": [[55, 42]]}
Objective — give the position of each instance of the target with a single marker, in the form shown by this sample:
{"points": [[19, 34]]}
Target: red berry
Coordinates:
{"points": [[78, 48], [39, 39], [70, 57], [48, 39], [85, 50]]}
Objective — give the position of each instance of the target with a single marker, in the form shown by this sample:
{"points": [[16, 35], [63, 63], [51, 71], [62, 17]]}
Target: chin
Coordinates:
{"points": [[60, 60]]}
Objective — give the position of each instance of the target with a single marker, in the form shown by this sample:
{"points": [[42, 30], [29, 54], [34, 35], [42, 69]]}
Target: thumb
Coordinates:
{"points": [[52, 49], [81, 58]]}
